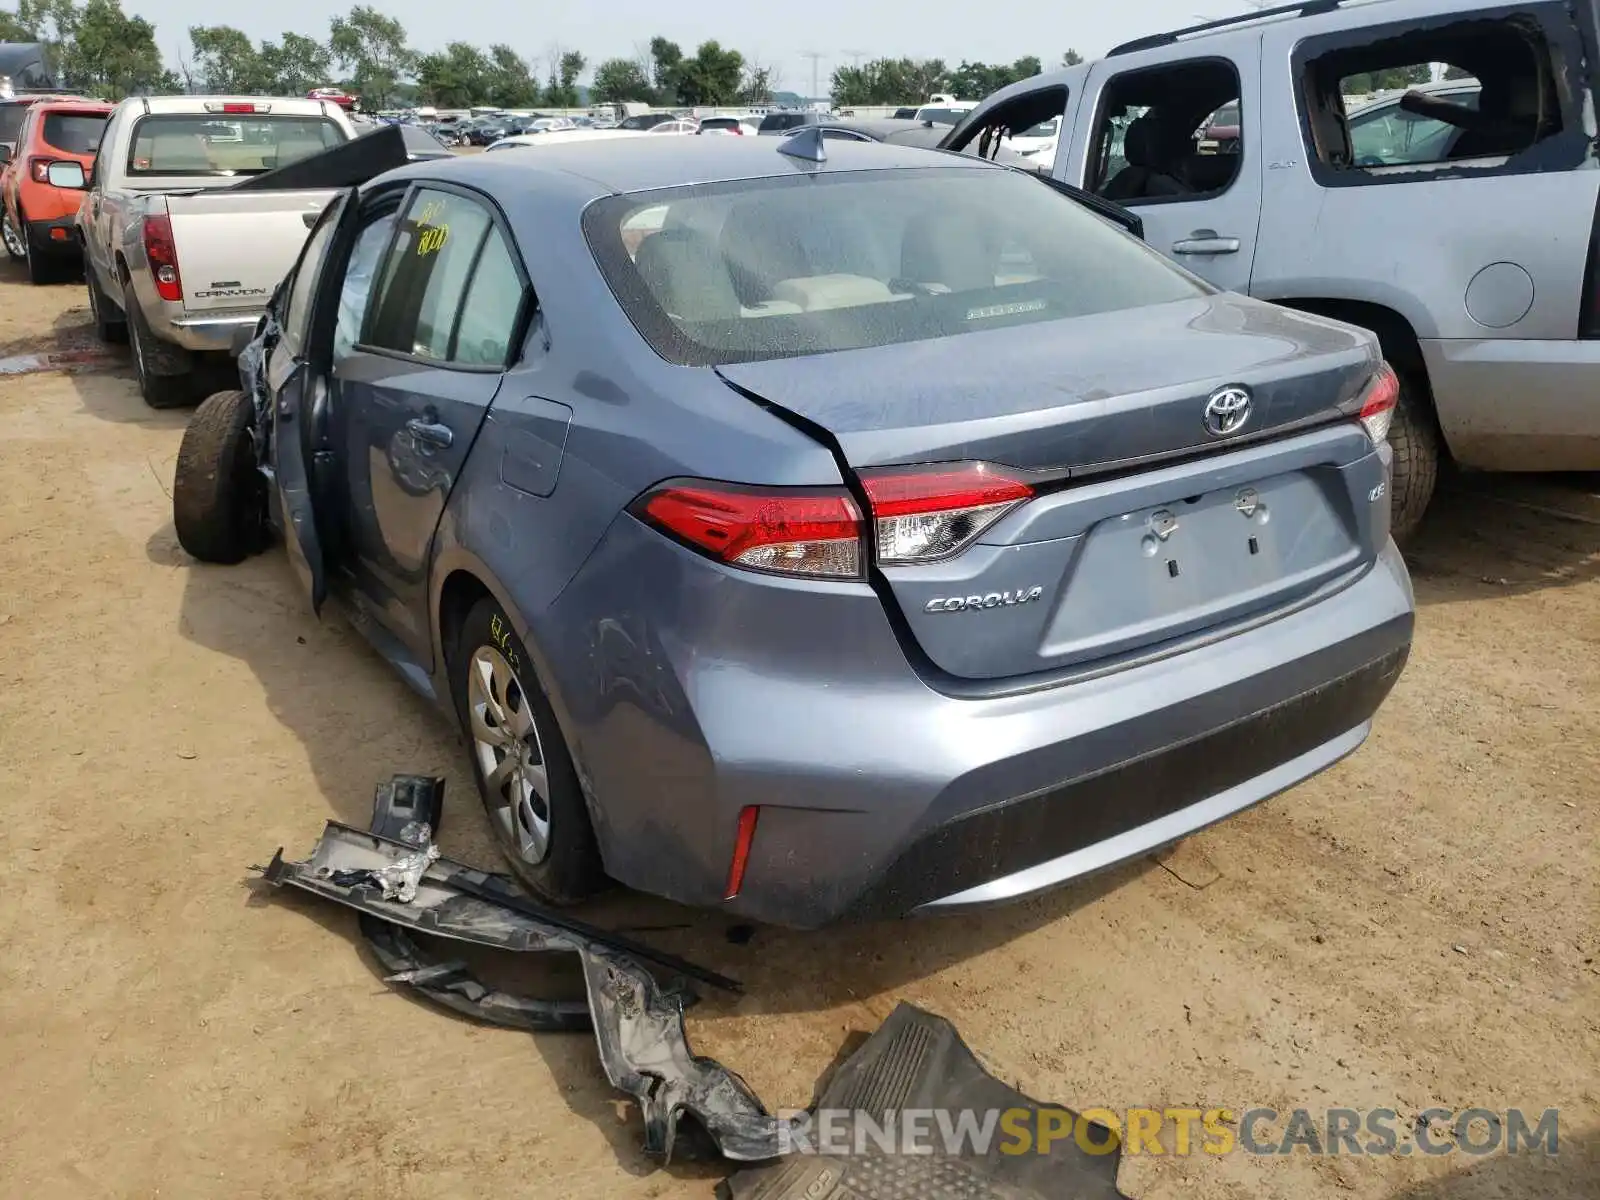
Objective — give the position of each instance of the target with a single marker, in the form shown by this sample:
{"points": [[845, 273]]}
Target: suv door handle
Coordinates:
{"points": [[1205, 241], [431, 432]]}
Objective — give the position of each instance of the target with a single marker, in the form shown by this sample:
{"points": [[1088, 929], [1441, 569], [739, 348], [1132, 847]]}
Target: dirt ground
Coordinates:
{"points": [[1415, 928]]}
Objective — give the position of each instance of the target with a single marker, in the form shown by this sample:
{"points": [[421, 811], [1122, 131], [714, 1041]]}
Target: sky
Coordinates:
{"points": [[841, 31]]}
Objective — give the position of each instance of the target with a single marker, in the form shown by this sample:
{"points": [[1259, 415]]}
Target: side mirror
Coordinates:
{"points": [[68, 175]]}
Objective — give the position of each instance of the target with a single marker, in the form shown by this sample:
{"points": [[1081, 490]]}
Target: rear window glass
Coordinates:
{"points": [[226, 146], [782, 120], [73, 133], [942, 116], [794, 265]]}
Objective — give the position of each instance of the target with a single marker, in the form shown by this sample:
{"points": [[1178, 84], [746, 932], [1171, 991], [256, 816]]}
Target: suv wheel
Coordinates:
{"points": [[165, 372], [524, 773], [218, 496], [1414, 438]]}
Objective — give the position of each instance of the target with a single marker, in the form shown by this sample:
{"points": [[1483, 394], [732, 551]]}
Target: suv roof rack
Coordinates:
{"points": [[1308, 8]]}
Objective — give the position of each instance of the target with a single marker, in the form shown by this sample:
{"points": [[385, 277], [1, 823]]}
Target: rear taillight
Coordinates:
{"points": [[162, 253], [814, 532], [926, 513], [1378, 400], [39, 169]]}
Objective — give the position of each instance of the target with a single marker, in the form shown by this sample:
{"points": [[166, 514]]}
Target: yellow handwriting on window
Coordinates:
{"points": [[432, 233]]}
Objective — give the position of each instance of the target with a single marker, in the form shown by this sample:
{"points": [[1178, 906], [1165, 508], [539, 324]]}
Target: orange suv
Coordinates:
{"points": [[38, 218]]}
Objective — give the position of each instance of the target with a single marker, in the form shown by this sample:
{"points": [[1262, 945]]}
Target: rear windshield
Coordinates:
{"points": [[782, 120], [942, 116], [793, 265], [202, 146], [74, 133]]}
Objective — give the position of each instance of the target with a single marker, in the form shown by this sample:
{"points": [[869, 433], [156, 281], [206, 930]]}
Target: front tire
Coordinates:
{"points": [[524, 773], [16, 248], [1414, 439], [165, 371], [218, 495]]}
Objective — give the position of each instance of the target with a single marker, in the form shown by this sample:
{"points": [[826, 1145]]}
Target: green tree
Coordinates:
{"points": [[712, 77], [296, 64], [97, 47], [891, 81], [372, 49], [1071, 58], [620, 79], [666, 70], [562, 90], [456, 77], [1457, 73], [227, 61], [973, 81], [12, 28], [511, 82]]}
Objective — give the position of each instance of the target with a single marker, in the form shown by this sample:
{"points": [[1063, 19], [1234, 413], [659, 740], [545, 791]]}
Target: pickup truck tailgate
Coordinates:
{"points": [[234, 247]]}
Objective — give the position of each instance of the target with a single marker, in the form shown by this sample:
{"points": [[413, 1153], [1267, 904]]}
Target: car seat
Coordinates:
{"points": [[760, 247], [949, 250], [179, 151], [686, 276], [1152, 148]]}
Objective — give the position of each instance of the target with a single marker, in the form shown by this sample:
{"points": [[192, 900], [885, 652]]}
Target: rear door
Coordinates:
{"points": [[299, 392], [234, 247], [1208, 222], [413, 389]]}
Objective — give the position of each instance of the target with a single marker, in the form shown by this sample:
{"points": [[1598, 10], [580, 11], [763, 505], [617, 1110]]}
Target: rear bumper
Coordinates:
{"points": [[207, 334], [56, 237], [710, 691], [1507, 404]]}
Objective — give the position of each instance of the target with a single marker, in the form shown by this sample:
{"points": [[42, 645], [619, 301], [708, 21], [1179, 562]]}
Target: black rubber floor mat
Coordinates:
{"points": [[916, 1077]]}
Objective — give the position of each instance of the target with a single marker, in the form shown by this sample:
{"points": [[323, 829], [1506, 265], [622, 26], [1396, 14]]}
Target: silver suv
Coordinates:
{"points": [[1455, 216]]}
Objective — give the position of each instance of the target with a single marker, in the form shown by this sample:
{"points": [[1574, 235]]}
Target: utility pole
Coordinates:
{"points": [[815, 59], [855, 56]]}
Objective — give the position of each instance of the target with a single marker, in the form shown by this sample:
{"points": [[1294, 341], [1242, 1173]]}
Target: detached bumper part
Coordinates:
{"points": [[917, 1063], [638, 1023]]}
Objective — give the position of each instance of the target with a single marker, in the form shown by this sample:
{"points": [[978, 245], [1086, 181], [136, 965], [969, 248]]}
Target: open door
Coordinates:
{"points": [[298, 388]]}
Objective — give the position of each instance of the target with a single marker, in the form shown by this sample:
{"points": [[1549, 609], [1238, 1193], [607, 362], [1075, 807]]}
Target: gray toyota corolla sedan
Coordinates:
{"points": [[877, 534]]}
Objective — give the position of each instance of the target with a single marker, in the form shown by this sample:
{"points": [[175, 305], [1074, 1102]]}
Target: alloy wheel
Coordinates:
{"points": [[505, 740], [16, 246]]}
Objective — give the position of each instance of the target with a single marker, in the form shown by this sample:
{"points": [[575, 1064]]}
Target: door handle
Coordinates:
{"points": [[1206, 241], [431, 432]]}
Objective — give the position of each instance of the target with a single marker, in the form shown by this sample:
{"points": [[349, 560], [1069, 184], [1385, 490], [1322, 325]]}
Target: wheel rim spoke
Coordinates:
{"points": [[505, 741]]}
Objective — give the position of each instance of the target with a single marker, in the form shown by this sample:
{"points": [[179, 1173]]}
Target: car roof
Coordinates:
{"points": [[646, 164], [100, 107]]}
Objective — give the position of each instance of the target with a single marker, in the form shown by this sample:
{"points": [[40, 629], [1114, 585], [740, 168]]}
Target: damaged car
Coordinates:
{"points": [[816, 529]]}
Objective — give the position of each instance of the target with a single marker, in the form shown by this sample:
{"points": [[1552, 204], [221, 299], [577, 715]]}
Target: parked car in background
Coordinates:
{"points": [[644, 121], [1408, 217], [908, 113], [675, 126], [948, 112], [175, 261], [558, 137], [1385, 133], [14, 109], [334, 95], [786, 120], [740, 126], [1043, 553], [37, 218]]}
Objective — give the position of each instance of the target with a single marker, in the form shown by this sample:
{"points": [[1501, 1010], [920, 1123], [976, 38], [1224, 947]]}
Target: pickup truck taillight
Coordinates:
{"points": [[161, 252]]}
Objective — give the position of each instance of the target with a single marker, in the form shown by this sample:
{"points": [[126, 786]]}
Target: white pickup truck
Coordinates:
{"points": [[175, 265]]}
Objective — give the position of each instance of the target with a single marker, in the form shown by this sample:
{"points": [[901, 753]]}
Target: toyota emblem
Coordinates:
{"points": [[1227, 411]]}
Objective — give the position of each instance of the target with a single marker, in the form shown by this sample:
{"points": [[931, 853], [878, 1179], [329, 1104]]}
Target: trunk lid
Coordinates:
{"points": [[234, 247], [1114, 554]]}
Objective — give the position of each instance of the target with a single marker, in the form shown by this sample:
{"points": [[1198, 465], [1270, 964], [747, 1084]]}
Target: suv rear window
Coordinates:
{"points": [[11, 116], [200, 146], [74, 133], [792, 265], [781, 120]]}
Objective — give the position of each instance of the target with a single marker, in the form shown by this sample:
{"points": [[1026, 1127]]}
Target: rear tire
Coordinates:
{"points": [[16, 249], [43, 267], [490, 671], [218, 495], [165, 371], [1414, 438]]}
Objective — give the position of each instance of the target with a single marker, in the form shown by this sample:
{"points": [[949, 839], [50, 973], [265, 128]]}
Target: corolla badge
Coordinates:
{"points": [[986, 600], [1227, 411]]}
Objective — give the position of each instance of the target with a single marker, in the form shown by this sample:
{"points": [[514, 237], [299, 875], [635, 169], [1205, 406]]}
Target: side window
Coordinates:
{"points": [[356, 289], [489, 315], [296, 308], [449, 288], [1476, 93], [1029, 125], [1160, 134]]}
